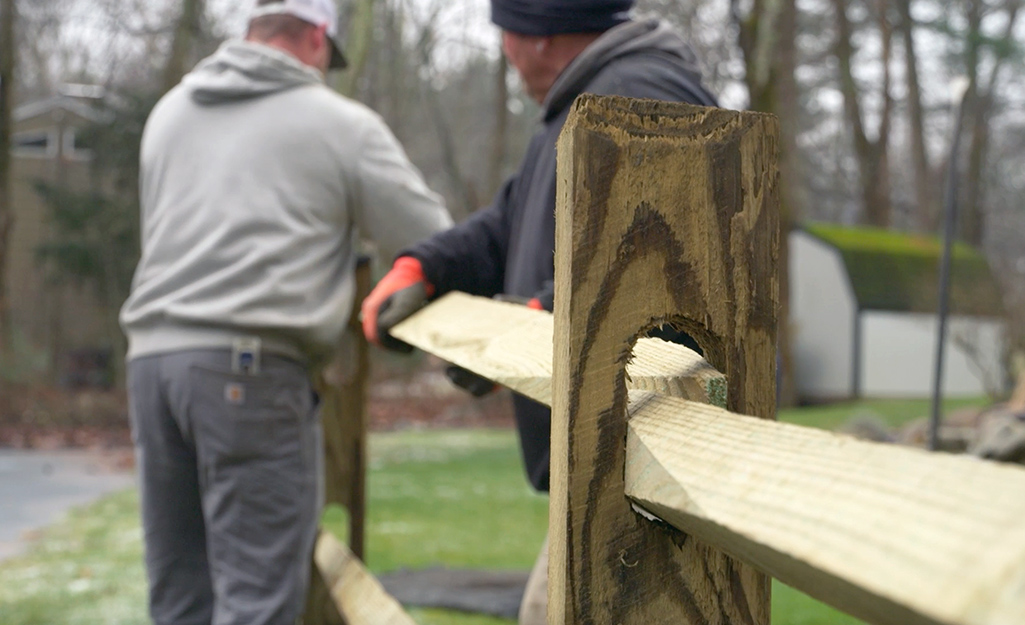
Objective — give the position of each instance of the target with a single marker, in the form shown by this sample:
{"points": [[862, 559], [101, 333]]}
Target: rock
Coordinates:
{"points": [[915, 433], [964, 418], [1000, 436], [1017, 401], [868, 426], [956, 431]]}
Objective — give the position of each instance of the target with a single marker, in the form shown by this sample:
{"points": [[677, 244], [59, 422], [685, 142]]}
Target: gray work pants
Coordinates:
{"points": [[231, 487]]}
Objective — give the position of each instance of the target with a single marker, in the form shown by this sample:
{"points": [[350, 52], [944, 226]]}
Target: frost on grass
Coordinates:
{"points": [[86, 570], [435, 446]]}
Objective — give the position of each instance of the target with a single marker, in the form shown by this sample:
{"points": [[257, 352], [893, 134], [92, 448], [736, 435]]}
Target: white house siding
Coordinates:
{"points": [[900, 350], [822, 309]]}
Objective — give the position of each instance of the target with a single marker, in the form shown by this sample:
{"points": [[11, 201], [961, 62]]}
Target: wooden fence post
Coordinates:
{"points": [[343, 416], [666, 213], [344, 419]]}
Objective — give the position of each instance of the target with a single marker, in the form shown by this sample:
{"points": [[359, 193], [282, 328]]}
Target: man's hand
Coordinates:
{"points": [[400, 293], [474, 384]]}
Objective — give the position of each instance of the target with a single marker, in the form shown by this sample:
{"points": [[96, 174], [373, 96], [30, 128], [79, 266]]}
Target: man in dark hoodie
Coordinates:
{"points": [[256, 182], [560, 48]]}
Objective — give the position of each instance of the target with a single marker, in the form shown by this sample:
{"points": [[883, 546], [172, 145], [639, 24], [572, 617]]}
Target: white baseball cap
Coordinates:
{"points": [[316, 12]]}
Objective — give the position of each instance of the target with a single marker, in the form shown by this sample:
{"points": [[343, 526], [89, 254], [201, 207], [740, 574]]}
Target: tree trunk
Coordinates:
{"points": [[187, 32], [460, 186], [881, 207], [926, 211], [790, 206], [973, 217], [872, 156], [980, 111], [7, 79], [361, 35], [767, 39], [397, 94], [499, 138], [968, 188]]}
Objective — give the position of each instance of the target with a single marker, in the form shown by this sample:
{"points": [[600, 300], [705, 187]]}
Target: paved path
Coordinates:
{"points": [[38, 487]]}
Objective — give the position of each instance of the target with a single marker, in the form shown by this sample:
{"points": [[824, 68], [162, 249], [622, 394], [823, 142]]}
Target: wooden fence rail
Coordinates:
{"points": [[511, 345], [666, 509]]}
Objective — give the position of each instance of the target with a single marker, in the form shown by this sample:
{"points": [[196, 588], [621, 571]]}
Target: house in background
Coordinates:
{"points": [[55, 325], [863, 316]]}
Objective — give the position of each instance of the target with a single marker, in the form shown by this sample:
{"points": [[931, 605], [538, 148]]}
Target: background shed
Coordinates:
{"points": [[863, 312]]}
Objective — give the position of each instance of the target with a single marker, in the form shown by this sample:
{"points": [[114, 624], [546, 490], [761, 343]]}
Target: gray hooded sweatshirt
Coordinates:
{"points": [[256, 183]]}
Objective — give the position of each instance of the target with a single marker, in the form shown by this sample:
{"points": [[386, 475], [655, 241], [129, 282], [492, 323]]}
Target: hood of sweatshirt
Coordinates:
{"points": [[242, 70], [646, 36]]}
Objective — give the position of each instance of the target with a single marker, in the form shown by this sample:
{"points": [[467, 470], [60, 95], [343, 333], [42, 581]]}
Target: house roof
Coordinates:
{"points": [[895, 271], [64, 102]]}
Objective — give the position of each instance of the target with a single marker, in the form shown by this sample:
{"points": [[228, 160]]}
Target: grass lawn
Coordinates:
{"points": [[893, 412], [456, 498]]}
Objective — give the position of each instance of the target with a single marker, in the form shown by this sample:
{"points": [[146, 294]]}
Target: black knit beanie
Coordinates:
{"points": [[554, 17]]}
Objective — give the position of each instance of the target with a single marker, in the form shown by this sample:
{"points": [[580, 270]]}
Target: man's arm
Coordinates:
{"points": [[471, 256], [393, 205]]}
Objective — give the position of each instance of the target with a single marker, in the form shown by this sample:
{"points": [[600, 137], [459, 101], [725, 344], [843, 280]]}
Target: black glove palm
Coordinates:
{"points": [[399, 305]]}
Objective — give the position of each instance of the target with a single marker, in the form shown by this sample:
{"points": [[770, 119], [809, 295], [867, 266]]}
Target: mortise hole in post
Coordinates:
{"points": [[688, 374]]}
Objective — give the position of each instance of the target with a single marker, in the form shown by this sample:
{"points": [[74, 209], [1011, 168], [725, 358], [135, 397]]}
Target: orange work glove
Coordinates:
{"points": [[400, 293]]}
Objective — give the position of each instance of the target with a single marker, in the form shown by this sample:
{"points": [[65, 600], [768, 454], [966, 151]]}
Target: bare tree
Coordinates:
{"points": [[360, 37], [981, 102], [391, 61], [39, 25], [925, 199], [460, 185], [872, 155], [500, 133], [706, 25], [767, 37], [188, 31], [8, 14]]}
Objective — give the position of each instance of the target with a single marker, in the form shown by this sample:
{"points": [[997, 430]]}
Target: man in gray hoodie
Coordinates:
{"points": [[560, 49], [256, 184]]}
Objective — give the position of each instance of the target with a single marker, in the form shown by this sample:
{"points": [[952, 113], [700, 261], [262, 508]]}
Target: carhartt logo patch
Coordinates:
{"points": [[234, 393]]}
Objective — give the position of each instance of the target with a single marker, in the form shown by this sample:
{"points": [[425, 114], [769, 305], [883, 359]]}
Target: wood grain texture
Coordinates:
{"points": [[343, 416], [360, 598], [511, 345], [320, 607], [342, 388], [665, 213], [895, 536]]}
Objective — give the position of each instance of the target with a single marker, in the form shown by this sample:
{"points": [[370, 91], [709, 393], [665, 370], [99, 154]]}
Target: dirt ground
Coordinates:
{"points": [[416, 396]]}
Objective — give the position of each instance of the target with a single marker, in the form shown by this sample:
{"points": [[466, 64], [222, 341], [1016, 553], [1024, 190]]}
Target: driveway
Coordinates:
{"points": [[38, 487]]}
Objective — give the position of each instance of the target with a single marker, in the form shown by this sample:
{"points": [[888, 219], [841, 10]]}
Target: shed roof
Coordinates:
{"points": [[896, 271], [57, 102]]}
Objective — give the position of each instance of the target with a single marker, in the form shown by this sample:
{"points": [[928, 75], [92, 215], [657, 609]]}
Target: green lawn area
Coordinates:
{"points": [[893, 412], [456, 498]]}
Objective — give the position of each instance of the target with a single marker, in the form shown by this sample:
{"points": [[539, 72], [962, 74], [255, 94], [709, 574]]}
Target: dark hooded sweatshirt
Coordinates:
{"points": [[509, 247]]}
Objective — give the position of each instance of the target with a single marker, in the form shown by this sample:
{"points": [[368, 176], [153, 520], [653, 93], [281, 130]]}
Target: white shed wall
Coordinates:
{"points": [[822, 310], [900, 350]]}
